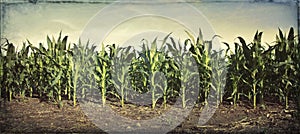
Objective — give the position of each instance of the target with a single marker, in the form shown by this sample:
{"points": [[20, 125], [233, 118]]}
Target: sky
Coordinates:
{"points": [[127, 24]]}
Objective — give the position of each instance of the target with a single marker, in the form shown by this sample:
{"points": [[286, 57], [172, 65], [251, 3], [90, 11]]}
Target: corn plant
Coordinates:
{"points": [[172, 73], [15, 69], [23, 70], [32, 77], [296, 75], [81, 70], [153, 74], [201, 51], [171, 69], [102, 69], [76, 64], [120, 71], [188, 73], [256, 56], [235, 69], [285, 54], [153, 59], [254, 65], [68, 72], [219, 72], [1, 68], [8, 69], [2, 62], [138, 76], [38, 66]]}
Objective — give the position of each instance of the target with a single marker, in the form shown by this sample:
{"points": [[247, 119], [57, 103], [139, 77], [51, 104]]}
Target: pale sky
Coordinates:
{"points": [[229, 20]]}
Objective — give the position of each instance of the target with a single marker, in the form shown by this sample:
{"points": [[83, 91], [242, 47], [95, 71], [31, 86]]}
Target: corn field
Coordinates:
{"points": [[57, 71]]}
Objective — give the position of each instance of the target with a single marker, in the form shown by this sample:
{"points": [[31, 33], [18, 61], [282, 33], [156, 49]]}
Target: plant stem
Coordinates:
{"points": [[254, 96], [75, 84], [103, 85], [183, 97]]}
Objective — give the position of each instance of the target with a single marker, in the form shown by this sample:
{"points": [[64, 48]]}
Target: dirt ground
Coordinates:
{"points": [[32, 115]]}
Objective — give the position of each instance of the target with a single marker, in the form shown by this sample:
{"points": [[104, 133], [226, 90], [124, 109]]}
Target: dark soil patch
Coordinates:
{"points": [[31, 115]]}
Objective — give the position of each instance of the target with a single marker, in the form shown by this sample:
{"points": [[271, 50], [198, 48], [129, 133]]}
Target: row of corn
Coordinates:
{"points": [[163, 71]]}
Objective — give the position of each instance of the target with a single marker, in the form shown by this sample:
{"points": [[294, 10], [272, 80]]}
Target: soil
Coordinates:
{"points": [[33, 115]]}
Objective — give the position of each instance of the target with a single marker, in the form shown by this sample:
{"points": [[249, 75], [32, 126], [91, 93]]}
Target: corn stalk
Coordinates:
{"points": [[102, 60], [201, 51], [219, 72], [188, 72], [153, 59], [8, 71], [235, 68], [120, 71], [286, 63], [256, 57]]}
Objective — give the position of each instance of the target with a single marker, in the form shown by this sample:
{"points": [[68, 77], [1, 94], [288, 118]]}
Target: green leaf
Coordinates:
{"points": [[191, 37], [57, 78]]}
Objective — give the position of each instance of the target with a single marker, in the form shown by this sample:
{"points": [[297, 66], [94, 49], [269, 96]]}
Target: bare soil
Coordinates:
{"points": [[33, 115]]}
